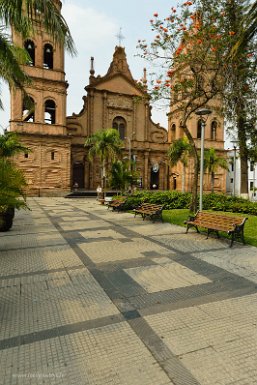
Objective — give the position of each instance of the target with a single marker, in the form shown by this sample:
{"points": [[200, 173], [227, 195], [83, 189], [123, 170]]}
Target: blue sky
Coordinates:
{"points": [[94, 25]]}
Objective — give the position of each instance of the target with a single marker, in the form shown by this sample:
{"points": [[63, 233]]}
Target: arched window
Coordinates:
{"points": [[173, 131], [48, 56], [50, 110], [214, 130], [30, 48], [28, 110], [119, 124], [199, 129]]}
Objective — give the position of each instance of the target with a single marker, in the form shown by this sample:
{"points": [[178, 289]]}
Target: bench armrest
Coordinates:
{"points": [[240, 226], [190, 219]]}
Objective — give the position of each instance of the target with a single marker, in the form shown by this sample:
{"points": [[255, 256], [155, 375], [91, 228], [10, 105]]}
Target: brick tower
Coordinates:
{"points": [[40, 117]]}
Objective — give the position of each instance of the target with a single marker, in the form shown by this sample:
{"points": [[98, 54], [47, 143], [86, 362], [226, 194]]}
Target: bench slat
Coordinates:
{"points": [[233, 225], [149, 209]]}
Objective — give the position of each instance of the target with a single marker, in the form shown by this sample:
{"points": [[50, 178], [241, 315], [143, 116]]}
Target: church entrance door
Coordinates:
{"points": [[154, 180], [78, 175]]}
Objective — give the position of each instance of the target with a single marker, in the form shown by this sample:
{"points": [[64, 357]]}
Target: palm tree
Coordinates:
{"points": [[12, 181], [11, 57], [212, 162], [23, 16], [251, 21], [10, 145], [12, 186], [12, 192], [106, 145], [179, 151], [249, 29], [121, 176]]}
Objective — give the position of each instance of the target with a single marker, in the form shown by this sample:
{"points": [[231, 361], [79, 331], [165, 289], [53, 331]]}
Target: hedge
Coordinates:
{"points": [[177, 200]]}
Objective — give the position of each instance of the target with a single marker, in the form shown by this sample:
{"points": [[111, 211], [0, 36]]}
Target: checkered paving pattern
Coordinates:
{"points": [[35, 303], [37, 259], [102, 234], [91, 296], [165, 277], [217, 342], [108, 355], [113, 250]]}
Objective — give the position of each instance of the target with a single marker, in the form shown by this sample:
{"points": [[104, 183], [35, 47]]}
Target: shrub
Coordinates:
{"points": [[177, 200], [170, 199], [221, 202]]}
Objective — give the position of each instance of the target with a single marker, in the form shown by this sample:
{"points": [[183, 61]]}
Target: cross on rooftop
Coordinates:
{"points": [[120, 37]]}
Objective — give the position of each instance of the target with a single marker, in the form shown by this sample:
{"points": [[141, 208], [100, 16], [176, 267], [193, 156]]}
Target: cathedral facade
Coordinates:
{"points": [[116, 100], [58, 159]]}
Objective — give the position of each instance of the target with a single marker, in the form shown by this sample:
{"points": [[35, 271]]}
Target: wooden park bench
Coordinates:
{"points": [[213, 222], [151, 210], [117, 204]]}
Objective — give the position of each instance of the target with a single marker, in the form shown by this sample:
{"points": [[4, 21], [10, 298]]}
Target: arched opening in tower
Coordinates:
{"points": [[50, 112]]}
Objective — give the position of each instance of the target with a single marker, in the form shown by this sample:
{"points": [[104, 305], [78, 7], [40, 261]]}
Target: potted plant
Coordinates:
{"points": [[12, 193], [12, 181]]}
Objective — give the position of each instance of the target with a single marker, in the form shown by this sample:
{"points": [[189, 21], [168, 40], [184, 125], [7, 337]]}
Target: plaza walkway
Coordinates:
{"points": [[93, 297]]}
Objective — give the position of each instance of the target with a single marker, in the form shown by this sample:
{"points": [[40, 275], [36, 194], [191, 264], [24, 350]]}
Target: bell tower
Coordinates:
{"points": [[39, 117]]}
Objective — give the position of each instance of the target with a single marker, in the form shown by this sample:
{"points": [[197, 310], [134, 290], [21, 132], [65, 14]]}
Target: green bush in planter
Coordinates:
{"points": [[12, 192]]}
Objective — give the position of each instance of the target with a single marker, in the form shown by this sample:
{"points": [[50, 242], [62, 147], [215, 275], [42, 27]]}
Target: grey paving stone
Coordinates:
{"points": [[138, 303]]}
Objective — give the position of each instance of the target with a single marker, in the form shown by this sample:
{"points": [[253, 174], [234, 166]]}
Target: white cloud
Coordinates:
{"points": [[89, 27], [94, 35]]}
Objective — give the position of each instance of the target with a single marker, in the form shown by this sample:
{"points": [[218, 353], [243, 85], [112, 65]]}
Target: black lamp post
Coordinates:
{"points": [[202, 112]]}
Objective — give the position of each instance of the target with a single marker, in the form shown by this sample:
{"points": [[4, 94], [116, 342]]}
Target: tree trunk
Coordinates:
{"points": [[183, 178], [212, 182], [244, 175], [243, 149], [103, 178]]}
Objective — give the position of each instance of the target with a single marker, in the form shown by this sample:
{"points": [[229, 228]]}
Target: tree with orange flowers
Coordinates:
{"points": [[240, 91], [191, 47]]}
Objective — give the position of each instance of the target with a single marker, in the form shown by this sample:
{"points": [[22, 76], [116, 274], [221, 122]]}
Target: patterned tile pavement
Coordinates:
{"points": [[93, 297]]}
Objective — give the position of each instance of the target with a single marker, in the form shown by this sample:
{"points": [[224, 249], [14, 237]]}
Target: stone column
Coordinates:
{"points": [[165, 171], [90, 112], [146, 176], [104, 111]]}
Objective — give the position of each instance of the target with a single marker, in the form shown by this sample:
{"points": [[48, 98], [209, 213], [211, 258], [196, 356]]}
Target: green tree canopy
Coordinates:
{"points": [[212, 162], [12, 186], [121, 176], [106, 145], [179, 151], [10, 145], [191, 50]]}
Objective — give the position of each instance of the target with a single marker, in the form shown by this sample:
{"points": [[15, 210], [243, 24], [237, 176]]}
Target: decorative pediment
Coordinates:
{"points": [[120, 102], [118, 78], [119, 64], [118, 84]]}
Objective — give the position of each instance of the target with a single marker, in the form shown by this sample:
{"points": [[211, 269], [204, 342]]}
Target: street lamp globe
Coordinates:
{"points": [[203, 111]]}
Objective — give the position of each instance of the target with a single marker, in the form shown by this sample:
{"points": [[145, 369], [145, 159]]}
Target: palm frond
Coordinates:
{"points": [[21, 14], [179, 151], [11, 57], [12, 186], [10, 145], [212, 161], [249, 29]]}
